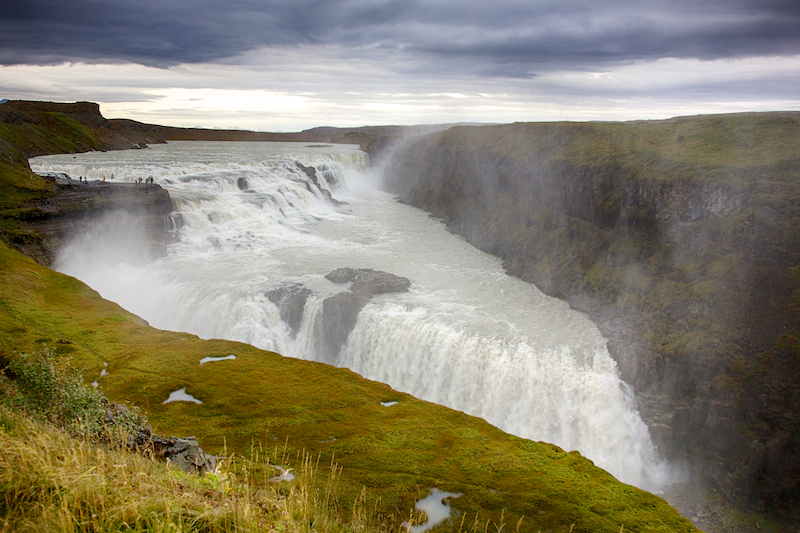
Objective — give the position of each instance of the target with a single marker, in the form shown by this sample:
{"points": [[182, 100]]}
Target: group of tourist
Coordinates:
{"points": [[149, 181]]}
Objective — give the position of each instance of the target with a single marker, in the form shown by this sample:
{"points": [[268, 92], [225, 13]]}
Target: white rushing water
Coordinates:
{"points": [[466, 335]]}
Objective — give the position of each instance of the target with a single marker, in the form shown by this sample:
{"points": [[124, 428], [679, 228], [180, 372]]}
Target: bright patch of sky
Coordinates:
{"points": [[287, 66]]}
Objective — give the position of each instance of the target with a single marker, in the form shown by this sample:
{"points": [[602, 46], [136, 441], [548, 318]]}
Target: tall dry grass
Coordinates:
{"points": [[50, 481], [64, 467], [53, 482]]}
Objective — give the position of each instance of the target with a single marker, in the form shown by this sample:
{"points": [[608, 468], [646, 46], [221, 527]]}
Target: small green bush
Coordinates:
{"points": [[48, 388]]}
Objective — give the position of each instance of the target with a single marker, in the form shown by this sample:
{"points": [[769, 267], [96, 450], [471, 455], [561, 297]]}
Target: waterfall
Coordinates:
{"points": [[263, 223]]}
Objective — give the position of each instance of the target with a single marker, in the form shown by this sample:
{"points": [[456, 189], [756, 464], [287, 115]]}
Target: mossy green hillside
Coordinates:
{"points": [[45, 133], [655, 149], [261, 399]]}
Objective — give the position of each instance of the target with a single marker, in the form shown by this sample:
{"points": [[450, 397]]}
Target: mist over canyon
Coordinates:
{"points": [[679, 239]]}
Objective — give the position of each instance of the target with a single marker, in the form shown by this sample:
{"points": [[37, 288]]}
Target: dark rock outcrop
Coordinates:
{"points": [[340, 312], [184, 453], [678, 239], [139, 216], [311, 172], [291, 301], [367, 282]]}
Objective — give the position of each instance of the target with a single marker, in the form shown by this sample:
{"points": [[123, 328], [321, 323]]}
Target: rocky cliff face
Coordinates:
{"points": [[679, 239], [139, 216]]}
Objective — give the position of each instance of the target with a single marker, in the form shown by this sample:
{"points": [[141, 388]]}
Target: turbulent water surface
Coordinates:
{"points": [[465, 335]]}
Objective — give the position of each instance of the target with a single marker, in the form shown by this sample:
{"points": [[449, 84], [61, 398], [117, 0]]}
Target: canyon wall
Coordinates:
{"points": [[679, 238]]}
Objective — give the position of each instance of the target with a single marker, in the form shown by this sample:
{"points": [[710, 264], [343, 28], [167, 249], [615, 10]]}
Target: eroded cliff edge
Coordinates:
{"points": [[139, 216], [679, 238]]}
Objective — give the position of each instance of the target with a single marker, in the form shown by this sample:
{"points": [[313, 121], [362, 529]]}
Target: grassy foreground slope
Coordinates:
{"points": [[53, 482], [395, 454]]}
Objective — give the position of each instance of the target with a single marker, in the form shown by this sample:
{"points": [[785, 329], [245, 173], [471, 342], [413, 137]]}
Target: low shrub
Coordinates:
{"points": [[47, 388]]}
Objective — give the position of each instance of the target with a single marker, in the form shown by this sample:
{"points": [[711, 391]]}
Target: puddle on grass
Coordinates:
{"points": [[103, 372], [388, 404], [205, 360], [286, 474], [181, 396], [435, 508]]}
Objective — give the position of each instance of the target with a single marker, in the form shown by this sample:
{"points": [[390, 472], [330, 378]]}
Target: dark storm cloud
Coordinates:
{"points": [[500, 38]]}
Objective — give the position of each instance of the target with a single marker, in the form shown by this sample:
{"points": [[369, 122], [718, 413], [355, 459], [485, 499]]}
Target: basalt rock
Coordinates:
{"points": [[311, 172], [340, 312], [291, 301], [138, 216], [184, 453]]}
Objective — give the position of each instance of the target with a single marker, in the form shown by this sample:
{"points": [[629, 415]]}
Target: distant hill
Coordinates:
{"points": [[50, 128]]}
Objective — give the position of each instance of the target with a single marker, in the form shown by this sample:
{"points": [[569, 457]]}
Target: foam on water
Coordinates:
{"points": [[466, 335]]}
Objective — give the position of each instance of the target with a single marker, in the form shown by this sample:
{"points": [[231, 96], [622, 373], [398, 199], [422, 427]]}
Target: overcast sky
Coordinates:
{"points": [[287, 65]]}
